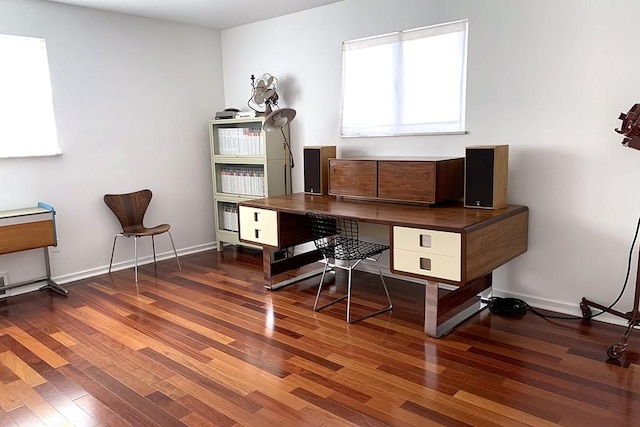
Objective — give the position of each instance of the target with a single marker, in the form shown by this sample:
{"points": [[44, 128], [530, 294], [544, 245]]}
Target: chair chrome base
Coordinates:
{"points": [[135, 251], [350, 269]]}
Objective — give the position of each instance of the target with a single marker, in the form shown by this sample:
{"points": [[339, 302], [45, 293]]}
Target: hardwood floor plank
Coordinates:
{"points": [[206, 411], [278, 413], [145, 406], [337, 409], [7, 375], [22, 370], [108, 397], [491, 406], [168, 404], [239, 411], [433, 416], [100, 411], [213, 386], [22, 416], [8, 400], [73, 414], [36, 404]]}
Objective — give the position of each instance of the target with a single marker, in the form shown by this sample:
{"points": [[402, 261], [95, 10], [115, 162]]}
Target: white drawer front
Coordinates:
{"points": [[427, 241], [259, 225], [433, 265]]}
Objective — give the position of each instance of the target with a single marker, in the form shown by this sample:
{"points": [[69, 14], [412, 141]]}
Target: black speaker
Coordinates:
{"points": [[316, 168], [485, 176]]}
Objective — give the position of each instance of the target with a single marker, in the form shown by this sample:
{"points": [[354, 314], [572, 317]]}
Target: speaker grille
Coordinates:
{"points": [[312, 181], [479, 167]]}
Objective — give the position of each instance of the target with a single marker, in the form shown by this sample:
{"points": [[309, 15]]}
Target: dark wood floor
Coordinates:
{"points": [[210, 346]]}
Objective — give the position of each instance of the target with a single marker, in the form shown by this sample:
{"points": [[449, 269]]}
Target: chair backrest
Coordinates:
{"points": [[129, 208], [335, 237]]}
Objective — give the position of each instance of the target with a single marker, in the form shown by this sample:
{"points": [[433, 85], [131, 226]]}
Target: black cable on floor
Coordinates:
{"points": [[518, 307]]}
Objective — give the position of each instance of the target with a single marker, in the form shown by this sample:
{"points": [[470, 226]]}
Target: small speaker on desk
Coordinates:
{"points": [[485, 176], [316, 168]]}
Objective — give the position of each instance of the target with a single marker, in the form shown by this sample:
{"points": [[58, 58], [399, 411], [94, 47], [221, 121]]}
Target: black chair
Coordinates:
{"points": [[337, 239], [130, 209]]}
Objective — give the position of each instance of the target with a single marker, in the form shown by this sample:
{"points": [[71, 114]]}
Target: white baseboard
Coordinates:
{"points": [[130, 263]]}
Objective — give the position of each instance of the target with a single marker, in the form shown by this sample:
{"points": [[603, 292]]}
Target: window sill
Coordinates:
{"points": [[27, 156], [458, 132]]}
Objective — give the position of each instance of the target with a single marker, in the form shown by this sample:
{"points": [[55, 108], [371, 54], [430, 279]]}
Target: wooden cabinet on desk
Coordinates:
{"points": [[246, 163], [407, 179]]}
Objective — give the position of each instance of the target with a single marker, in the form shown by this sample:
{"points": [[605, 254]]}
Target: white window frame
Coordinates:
{"points": [[27, 121], [385, 94]]}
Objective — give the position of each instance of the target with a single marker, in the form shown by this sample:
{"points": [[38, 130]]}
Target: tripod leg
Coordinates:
{"points": [[615, 350]]}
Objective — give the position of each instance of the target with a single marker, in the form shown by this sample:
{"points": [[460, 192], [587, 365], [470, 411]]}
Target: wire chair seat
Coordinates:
{"points": [[337, 239], [351, 249]]}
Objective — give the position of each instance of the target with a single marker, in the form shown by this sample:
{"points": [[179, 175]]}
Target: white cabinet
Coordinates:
{"points": [[259, 225], [246, 163], [427, 253]]}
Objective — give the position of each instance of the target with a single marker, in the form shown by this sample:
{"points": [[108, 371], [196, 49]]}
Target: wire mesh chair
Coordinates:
{"points": [[337, 239]]}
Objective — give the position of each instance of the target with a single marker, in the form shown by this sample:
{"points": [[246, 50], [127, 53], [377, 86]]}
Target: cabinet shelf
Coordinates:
{"points": [[246, 163]]}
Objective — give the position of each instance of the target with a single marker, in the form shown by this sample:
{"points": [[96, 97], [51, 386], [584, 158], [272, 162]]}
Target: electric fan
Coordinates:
{"points": [[265, 92]]}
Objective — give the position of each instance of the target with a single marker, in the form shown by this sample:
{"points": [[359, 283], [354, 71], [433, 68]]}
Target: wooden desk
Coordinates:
{"points": [[30, 228], [448, 244]]}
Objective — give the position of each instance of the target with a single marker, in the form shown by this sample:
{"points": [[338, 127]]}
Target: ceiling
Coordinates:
{"points": [[215, 14]]}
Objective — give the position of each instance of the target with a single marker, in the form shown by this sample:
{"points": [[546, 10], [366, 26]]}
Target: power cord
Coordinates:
{"points": [[518, 307]]}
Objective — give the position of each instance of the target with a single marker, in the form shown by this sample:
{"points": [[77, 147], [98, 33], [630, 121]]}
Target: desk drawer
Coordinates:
{"points": [[259, 225], [424, 264], [427, 241]]}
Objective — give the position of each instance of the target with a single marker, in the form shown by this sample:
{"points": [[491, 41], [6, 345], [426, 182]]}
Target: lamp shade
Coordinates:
{"points": [[278, 119]]}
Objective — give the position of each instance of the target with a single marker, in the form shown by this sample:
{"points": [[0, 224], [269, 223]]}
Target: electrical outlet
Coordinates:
{"points": [[4, 281]]}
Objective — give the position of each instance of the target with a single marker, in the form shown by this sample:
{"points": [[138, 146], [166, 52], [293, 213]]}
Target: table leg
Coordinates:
{"points": [[271, 267], [51, 285], [443, 313]]}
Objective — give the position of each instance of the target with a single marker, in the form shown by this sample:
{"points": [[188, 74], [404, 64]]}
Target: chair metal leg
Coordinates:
{"points": [[349, 295], [153, 246], [386, 291], [113, 250], [135, 256], [327, 264], [174, 251], [350, 268]]}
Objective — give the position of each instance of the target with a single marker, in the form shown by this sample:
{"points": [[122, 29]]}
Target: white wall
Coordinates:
{"points": [[132, 98], [548, 78]]}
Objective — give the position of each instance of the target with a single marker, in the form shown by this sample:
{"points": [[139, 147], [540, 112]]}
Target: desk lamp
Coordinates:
{"points": [[630, 128]]}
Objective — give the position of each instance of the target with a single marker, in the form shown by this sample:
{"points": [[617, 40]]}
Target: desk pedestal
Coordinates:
{"points": [[443, 312]]}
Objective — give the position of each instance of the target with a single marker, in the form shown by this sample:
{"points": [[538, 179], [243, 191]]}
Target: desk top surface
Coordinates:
{"points": [[451, 216], [23, 212]]}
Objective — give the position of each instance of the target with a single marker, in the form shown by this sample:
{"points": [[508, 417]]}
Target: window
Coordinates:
{"points": [[27, 123], [405, 83]]}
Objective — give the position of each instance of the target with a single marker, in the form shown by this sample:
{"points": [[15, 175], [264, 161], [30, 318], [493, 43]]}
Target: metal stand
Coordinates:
{"points": [[633, 317], [288, 164], [50, 286]]}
